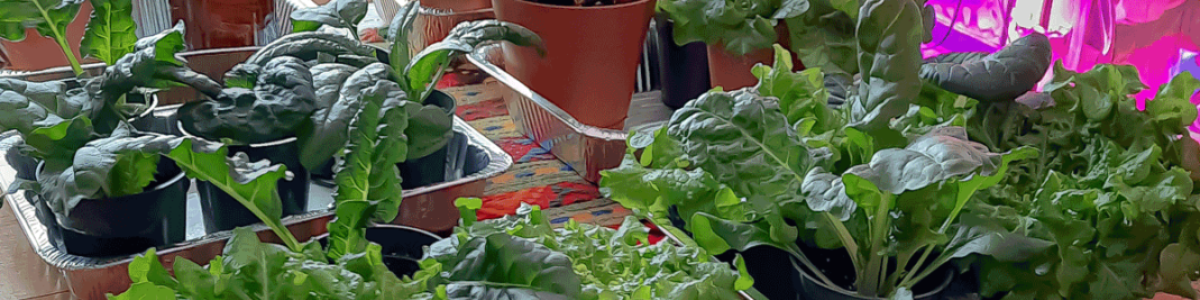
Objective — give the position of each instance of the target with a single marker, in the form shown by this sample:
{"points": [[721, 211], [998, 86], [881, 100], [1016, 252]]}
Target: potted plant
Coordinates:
{"points": [[589, 64], [98, 179], [348, 267], [523, 256], [431, 111], [738, 35]]}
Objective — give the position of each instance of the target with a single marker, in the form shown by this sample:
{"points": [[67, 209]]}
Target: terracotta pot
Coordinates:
{"points": [[37, 52], [732, 72], [590, 68], [222, 23], [457, 5]]}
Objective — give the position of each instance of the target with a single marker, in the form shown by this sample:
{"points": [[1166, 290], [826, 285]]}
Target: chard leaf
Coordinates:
{"points": [[427, 66], [368, 181], [429, 130], [653, 192], [111, 33], [330, 121], [338, 14], [399, 55], [889, 38], [1008, 73], [739, 26], [827, 32], [49, 17], [744, 141], [25, 106], [280, 103]]}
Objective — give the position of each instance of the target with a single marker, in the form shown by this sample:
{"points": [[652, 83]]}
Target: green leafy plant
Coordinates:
{"points": [[338, 14], [1109, 210], [368, 188], [81, 135], [110, 33], [522, 256], [738, 26]]}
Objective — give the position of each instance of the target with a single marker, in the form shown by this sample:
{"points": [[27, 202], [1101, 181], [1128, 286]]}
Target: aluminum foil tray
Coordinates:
{"points": [[586, 149], [429, 207]]}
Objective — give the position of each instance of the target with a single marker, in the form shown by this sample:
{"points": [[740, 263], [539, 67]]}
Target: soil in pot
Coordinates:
{"points": [[222, 212], [683, 70], [731, 71], [592, 54], [403, 246], [431, 169], [130, 224]]}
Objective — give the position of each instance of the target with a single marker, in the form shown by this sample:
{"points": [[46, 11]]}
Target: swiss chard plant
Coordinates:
{"points": [[110, 33], [81, 134], [350, 267], [417, 74]]}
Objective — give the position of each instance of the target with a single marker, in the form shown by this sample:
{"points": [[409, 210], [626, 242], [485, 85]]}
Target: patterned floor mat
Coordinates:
{"points": [[536, 177]]}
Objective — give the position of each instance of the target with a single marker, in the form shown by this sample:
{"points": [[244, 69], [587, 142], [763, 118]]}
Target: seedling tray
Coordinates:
{"points": [[428, 207]]}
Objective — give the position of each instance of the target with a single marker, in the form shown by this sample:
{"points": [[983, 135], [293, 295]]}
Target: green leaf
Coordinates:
{"points": [[743, 141], [329, 127], [889, 38], [430, 129], [111, 33], [281, 102], [153, 64], [49, 17], [145, 291], [25, 106], [744, 281], [716, 235], [1172, 106], [1008, 73], [368, 181], [466, 210], [427, 66], [338, 14], [513, 262], [147, 269]]}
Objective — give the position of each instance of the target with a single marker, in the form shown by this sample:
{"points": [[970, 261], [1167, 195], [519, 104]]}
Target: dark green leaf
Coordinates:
{"points": [[429, 130], [281, 102], [338, 14], [889, 38], [427, 66], [1001, 76]]}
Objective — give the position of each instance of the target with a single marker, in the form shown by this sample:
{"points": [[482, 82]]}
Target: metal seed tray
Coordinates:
{"points": [[430, 208]]}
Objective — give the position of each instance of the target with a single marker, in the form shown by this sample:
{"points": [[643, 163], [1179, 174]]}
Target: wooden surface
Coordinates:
{"points": [[23, 275]]}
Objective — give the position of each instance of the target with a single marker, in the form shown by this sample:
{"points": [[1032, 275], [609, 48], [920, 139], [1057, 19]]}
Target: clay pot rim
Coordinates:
{"points": [[601, 7]]}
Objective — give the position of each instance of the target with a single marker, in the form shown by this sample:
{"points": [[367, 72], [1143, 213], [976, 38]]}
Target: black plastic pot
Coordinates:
{"points": [[147, 121], [683, 70], [129, 224], [931, 288], [403, 246], [430, 169], [223, 212]]}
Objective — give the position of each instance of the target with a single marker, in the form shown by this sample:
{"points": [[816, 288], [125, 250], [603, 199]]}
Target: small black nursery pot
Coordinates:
{"points": [[932, 288], [403, 246], [682, 70], [430, 169], [223, 212], [130, 224]]}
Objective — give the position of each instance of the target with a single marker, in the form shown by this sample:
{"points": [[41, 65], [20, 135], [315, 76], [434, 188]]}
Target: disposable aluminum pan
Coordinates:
{"points": [[586, 149], [430, 208]]}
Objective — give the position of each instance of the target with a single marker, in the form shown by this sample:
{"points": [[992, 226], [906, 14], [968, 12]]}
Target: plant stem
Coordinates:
{"points": [[62, 41], [799, 255], [869, 282], [847, 240], [917, 267]]}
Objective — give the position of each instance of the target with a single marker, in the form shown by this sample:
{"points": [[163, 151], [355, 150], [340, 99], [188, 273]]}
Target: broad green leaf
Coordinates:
{"points": [[281, 102], [338, 14], [426, 67], [330, 122], [49, 17], [514, 262], [145, 291], [430, 129], [368, 180], [111, 33], [889, 38]]}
